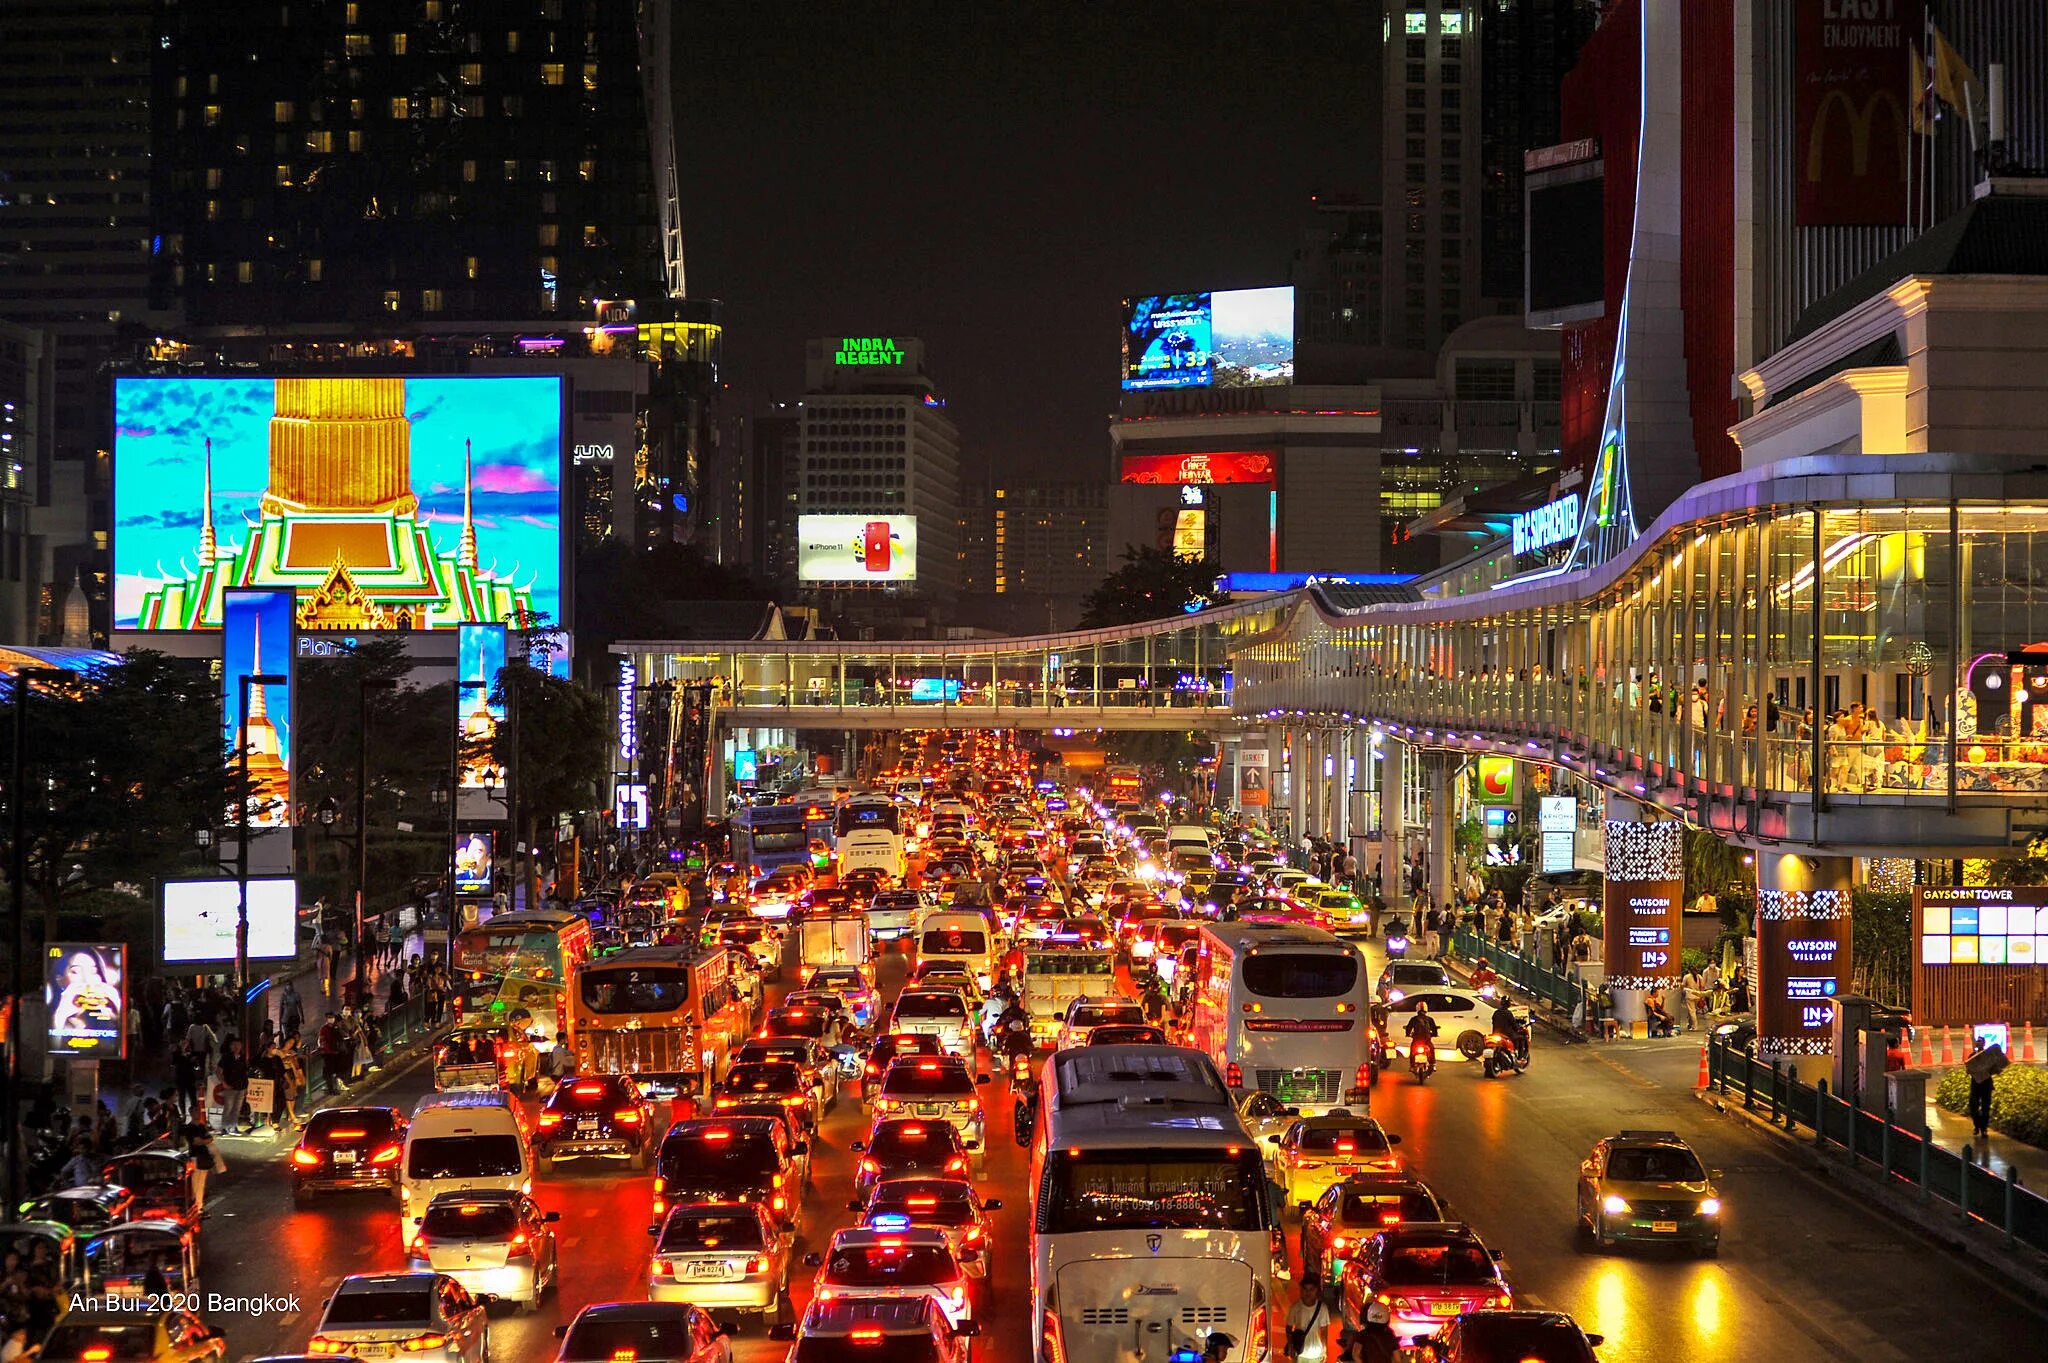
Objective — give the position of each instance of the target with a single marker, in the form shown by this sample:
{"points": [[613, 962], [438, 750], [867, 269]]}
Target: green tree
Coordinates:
{"points": [[124, 764], [556, 743], [1151, 584]]}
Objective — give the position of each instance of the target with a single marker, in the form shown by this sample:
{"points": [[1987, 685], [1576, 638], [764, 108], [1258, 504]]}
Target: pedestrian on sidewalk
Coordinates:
{"points": [[234, 1077], [187, 1071], [204, 1043], [1983, 1065], [333, 1043], [292, 1008], [292, 1069], [327, 967]]}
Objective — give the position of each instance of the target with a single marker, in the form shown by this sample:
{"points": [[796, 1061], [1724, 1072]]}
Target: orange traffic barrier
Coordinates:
{"points": [[2027, 1045], [1703, 1067], [1926, 1048], [1948, 1054]]}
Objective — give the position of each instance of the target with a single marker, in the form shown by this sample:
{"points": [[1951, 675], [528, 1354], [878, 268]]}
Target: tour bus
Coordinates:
{"points": [[520, 962], [668, 1016], [767, 836], [1123, 783], [1154, 1226], [868, 836], [1285, 1008]]}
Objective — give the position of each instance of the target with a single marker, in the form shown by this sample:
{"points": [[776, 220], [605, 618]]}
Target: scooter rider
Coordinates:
{"points": [[1013, 1031], [1422, 1028], [1483, 974], [1508, 1025]]}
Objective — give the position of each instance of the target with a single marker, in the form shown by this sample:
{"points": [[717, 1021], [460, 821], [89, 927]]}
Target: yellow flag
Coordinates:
{"points": [[1917, 96], [1954, 81]]}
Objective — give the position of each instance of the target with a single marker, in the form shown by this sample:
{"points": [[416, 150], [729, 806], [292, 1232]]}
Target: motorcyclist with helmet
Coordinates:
{"points": [[1422, 1030], [1508, 1025]]}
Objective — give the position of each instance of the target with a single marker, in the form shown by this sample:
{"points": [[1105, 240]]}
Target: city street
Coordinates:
{"points": [[1803, 1271]]}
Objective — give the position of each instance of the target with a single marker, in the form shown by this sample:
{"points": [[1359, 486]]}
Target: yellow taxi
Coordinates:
{"points": [[1316, 1152]]}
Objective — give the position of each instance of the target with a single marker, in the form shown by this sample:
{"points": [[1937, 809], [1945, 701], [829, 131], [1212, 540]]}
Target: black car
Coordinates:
{"points": [[346, 1149], [594, 1115], [729, 1159], [1528, 1336]]}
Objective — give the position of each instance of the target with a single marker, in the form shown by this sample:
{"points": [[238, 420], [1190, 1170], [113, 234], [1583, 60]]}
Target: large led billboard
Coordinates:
{"points": [[1208, 467], [200, 918], [256, 641], [85, 990], [1231, 338], [382, 503], [480, 658], [856, 548]]}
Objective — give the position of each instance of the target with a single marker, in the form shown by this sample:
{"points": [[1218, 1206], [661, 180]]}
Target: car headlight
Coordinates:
{"points": [[1614, 1206], [1710, 1206]]}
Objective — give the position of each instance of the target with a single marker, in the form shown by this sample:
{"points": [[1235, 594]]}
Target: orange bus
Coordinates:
{"points": [[668, 1016]]}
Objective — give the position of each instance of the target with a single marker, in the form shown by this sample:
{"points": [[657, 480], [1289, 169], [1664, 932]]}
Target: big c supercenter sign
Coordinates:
{"points": [[1496, 780], [1547, 526]]}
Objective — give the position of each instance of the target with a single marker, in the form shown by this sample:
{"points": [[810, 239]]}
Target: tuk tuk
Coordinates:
{"points": [[160, 1178], [118, 1260], [46, 1242], [466, 1058], [92, 1207]]}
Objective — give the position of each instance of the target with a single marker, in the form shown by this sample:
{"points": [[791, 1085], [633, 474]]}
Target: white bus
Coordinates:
{"points": [[868, 835], [1154, 1225], [1286, 1010]]}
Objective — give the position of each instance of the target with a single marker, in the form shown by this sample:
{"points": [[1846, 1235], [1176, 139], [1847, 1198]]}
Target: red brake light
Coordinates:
{"points": [[868, 1166], [96, 1353], [957, 1165], [913, 1129], [586, 1090], [419, 1244], [305, 1158], [1390, 1218], [718, 1133], [928, 1066], [1339, 1244], [866, 1334], [347, 1134], [387, 1155], [548, 1119], [918, 1202], [627, 1116], [1346, 1147], [1233, 1075]]}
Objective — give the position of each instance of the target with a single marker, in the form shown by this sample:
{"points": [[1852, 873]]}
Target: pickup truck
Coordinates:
{"points": [[841, 939], [1055, 974], [893, 914]]}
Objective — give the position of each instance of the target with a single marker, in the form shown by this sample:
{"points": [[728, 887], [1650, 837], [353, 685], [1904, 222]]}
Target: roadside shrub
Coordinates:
{"points": [[2019, 1101], [1692, 958]]}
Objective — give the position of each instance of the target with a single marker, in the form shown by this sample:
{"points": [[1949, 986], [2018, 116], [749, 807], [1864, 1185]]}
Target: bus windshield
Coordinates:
{"points": [[1301, 974], [638, 989], [877, 818], [1153, 1190]]}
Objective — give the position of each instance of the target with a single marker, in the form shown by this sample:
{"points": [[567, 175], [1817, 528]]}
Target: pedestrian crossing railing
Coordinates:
{"points": [[1898, 1147]]}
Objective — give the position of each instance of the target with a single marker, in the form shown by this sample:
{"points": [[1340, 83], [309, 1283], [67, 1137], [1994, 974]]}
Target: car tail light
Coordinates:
{"points": [[386, 1154], [866, 1334], [419, 1344], [1339, 1244], [521, 1247], [305, 1158], [1390, 1217], [96, 1353], [868, 1166], [627, 1116], [757, 1263], [1503, 1300], [587, 1090], [957, 1165], [660, 1206], [320, 1344], [1397, 1302], [548, 1119], [1260, 1330], [663, 1268], [1346, 1147], [974, 1236], [1233, 1075]]}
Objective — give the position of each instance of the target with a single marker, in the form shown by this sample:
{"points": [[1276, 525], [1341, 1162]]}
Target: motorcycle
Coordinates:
{"points": [[1020, 1067], [1422, 1059], [1397, 945], [1503, 1055]]}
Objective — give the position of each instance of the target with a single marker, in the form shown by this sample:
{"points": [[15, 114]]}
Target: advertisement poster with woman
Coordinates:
{"points": [[85, 987]]}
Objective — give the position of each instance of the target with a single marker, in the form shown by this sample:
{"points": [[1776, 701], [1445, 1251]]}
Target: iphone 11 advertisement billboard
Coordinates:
{"points": [[856, 548]]}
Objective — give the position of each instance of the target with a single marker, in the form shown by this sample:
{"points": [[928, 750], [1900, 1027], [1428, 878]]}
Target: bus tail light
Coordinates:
{"points": [[1233, 1075]]}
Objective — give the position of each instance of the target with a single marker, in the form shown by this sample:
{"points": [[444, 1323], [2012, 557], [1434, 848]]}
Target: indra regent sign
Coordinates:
{"points": [[872, 351]]}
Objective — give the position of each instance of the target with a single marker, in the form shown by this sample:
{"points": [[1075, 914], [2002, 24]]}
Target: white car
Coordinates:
{"points": [[496, 1243], [425, 1316], [1090, 1011], [938, 1012], [720, 1254], [1462, 1019], [917, 1262]]}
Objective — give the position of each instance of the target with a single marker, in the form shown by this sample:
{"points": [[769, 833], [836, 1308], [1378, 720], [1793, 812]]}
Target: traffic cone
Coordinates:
{"points": [[1702, 1082], [1948, 1054], [2027, 1045], [1926, 1048]]}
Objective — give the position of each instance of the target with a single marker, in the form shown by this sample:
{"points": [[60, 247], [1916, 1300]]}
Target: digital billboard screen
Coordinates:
{"points": [[85, 989], [480, 657], [1230, 338], [200, 915], [382, 503], [474, 854], [856, 548], [256, 641], [1205, 468]]}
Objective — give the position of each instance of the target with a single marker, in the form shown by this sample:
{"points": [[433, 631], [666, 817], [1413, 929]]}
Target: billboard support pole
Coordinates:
{"points": [[364, 685], [245, 683], [17, 877]]}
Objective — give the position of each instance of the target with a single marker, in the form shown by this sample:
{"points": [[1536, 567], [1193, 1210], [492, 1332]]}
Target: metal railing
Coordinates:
{"points": [[1908, 1154], [1560, 993]]}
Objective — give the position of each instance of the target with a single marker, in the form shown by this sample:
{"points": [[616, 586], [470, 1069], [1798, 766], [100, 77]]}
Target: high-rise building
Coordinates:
{"points": [[874, 439], [398, 160], [1465, 89], [769, 516], [1047, 539]]}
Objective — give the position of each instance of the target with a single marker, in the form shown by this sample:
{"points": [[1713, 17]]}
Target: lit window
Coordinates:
{"points": [[1417, 23], [586, 169], [401, 107], [391, 300], [213, 177], [551, 73], [550, 234], [469, 265], [356, 44], [244, 272], [281, 111], [398, 44], [353, 12], [512, 40], [437, 107], [469, 172], [314, 268], [431, 9], [590, 75], [210, 115], [213, 210], [1451, 23], [355, 108], [284, 175], [320, 142], [430, 300], [355, 139], [590, 234], [470, 73], [511, 170]]}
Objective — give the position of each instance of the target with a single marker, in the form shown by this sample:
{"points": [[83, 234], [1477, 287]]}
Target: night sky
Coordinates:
{"points": [[996, 177]]}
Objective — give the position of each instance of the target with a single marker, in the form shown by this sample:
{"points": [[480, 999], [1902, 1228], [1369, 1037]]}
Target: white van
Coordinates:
{"points": [[962, 935], [460, 1141]]}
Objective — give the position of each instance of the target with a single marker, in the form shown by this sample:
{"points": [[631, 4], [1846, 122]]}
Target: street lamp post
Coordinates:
{"points": [[17, 873], [245, 683], [364, 685]]}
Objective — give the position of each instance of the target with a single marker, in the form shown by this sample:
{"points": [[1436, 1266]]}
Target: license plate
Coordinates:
{"points": [[344, 1157], [1342, 1170], [931, 1109], [586, 1126], [707, 1268], [1664, 1227], [1445, 1308], [370, 1350]]}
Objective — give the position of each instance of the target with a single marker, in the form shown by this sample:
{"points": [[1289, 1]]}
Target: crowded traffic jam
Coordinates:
{"points": [[806, 1070]]}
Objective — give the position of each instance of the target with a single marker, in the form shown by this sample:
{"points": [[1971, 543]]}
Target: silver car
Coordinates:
{"points": [[496, 1243], [720, 1254], [421, 1317]]}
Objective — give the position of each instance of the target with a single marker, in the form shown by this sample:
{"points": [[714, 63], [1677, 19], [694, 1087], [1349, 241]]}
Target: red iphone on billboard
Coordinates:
{"points": [[875, 547]]}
